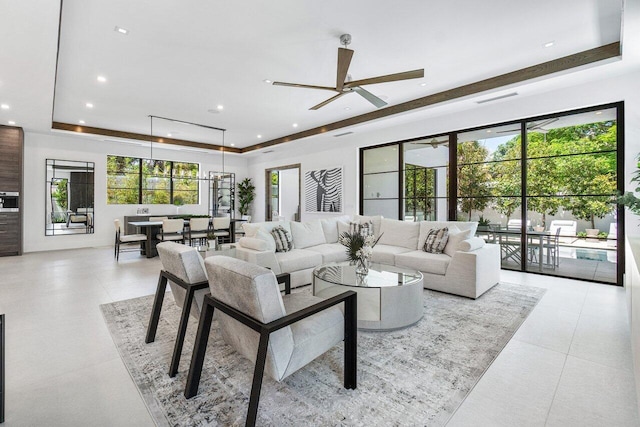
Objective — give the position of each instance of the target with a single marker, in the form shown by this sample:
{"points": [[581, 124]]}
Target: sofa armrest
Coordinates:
{"points": [[480, 268], [262, 258]]}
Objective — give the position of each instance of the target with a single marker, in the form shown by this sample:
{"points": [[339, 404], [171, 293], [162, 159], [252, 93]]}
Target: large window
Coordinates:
{"points": [[144, 181], [543, 188]]}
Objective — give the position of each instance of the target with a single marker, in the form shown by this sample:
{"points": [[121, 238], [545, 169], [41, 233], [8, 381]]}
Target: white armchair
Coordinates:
{"points": [[279, 334]]}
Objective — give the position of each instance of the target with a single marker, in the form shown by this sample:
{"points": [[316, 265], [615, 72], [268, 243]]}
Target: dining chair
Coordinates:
{"points": [[222, 228], [280, 335], [198, 230], [172, 230], [125, 239]]}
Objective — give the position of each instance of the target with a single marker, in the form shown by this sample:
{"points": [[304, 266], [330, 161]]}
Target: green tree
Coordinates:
{"points": [[505, 174], [474, 177], [420, 190]]}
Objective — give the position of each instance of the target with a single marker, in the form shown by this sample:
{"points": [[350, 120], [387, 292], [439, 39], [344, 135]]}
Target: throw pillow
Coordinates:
{"points": [[436, 240], [455, 237], [283, 240]]}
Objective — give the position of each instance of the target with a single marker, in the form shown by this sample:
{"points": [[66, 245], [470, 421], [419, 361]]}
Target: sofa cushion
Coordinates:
{"points": [[284, 242], [307, 234], [261, 242], [250, 229], [425, 226], [384, 254], [399, 233], [330, 228], [436, 241], [456, 236], [298, 259], [331, 252], [424, 261]]}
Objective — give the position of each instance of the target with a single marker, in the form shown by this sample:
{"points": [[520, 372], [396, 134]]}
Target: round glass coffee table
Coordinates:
{"points": [[388, 297]]}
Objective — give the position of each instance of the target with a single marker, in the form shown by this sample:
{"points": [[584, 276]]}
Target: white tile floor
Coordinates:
{"points": [[569, 364]]}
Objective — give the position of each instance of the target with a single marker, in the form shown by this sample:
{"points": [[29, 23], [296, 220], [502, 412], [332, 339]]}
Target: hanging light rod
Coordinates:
{"points": [[188, 123]]}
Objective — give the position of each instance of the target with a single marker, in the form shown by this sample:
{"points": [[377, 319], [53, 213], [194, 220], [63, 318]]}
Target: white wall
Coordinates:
{"points": [[39, 147], [289, 181]]}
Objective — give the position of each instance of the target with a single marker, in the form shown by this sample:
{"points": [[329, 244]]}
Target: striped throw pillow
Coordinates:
{"points": [[436, 240], [284, 242]]}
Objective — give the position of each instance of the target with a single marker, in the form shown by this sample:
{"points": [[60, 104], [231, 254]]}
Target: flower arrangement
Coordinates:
{"points": [[359, 249]]}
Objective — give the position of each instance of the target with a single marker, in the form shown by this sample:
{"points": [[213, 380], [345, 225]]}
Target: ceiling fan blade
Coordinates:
{"points": [[369, 97], [543, 124], [508, 131], [304, 86], [323, 103], [406, 75], [344, 59]]}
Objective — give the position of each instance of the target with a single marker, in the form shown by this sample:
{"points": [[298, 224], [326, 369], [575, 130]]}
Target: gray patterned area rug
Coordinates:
{"points": [[414, 376]]}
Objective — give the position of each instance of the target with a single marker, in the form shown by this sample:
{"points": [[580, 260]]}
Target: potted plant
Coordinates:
{"points": [[246, 194], [483, 223], [212, 240]]}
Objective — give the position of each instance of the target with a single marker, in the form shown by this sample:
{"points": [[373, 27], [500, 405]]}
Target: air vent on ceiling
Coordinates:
{"points": [[342, 134], [482, 101], [268, 151]]}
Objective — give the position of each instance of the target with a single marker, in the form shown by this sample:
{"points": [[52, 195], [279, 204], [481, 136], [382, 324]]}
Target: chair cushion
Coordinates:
{"points": [[331, 252], [399, 233], [424, 261], [307, 234], [314, 335], [169, 237], [298, 259], [253, 290], [385, 254], [133, 238]]}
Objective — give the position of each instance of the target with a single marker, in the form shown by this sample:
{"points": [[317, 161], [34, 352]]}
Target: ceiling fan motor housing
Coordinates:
{"points": [[345, 39]]}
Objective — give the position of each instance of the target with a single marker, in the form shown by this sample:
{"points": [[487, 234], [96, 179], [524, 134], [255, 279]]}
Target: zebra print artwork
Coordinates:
{"points": [[323, 190]]}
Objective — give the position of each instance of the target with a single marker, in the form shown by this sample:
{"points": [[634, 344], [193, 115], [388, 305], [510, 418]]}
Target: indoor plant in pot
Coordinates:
{"points": [[246, 194]]}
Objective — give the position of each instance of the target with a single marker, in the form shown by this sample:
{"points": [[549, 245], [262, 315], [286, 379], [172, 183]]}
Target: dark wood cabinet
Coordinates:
{"points": [[11, 167]]}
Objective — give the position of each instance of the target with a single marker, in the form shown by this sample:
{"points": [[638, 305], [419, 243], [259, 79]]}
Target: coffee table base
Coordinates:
{"points": [[380, 309]]}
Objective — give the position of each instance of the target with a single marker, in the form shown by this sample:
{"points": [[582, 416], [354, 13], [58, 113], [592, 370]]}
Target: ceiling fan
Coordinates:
{"points": [[533, 126], [344, 85], [434, 143]]}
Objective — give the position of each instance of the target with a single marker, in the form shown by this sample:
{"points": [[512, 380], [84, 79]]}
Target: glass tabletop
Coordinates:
{"points": [[379, 276]]}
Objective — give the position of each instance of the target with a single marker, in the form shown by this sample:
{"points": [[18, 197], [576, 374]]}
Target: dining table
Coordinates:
{"points": [[510, 242]]}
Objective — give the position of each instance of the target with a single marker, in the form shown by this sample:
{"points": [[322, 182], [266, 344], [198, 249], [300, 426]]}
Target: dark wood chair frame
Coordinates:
{"points": [[190, 289], [265, 329]]}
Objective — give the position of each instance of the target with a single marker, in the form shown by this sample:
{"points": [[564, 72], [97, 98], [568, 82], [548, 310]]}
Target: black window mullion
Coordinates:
{"points": [[140, 181], [171, 182], [523, 197]]}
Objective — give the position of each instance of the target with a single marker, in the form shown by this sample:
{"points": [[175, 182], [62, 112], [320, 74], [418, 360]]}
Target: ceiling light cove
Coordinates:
{"points": [[89, 105], [121, 30], [101, 79], [4, 106]]}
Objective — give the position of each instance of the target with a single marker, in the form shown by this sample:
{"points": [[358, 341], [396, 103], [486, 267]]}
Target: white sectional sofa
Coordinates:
{"points": [[468, 267]]}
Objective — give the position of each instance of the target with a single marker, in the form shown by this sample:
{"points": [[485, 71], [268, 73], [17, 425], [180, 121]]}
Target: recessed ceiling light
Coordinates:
{"points": [[295, 125], [121, 30], [11, 122], [169, 135], [232, 144], [259, 136], [598, 112], [549, 44], [213, 111], [101, 79], [81, 122], [89, 105], [423, 84], [4, 106], [488, 130], [347, 108], [220, 107], [267, 81]]}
